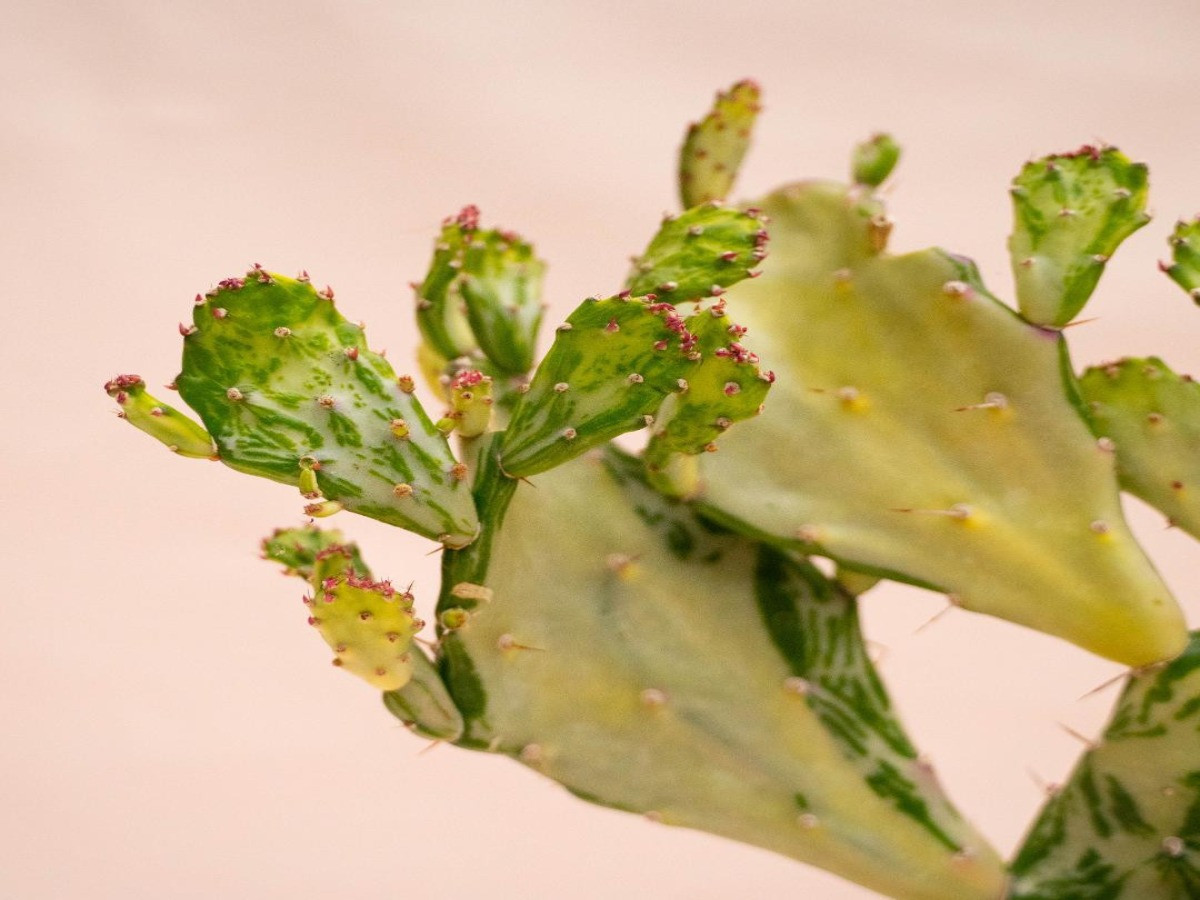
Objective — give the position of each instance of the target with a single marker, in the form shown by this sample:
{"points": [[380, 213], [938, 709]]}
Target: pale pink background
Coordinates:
{"points": [[171, 727]]}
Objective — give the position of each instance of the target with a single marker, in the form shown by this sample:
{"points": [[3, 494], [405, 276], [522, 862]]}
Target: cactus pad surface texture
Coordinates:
{"points": [[699, 678], [647, 629], [1127, 822], [919, 428]]}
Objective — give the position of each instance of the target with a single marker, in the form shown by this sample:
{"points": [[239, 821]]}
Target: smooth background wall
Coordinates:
{"points": [[172, 729]]}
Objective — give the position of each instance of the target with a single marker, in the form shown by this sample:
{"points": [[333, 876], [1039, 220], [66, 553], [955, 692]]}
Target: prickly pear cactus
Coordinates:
{"points": [[1126, 826], [921, 430], [607, 638], [646, 630]]}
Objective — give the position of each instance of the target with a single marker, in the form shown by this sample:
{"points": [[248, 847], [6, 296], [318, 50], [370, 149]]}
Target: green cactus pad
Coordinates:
{"points": [[483, 290], [1127, 824], [1071, 212], [874, 160], [286, 386], [501, 285], [162, 422], [1153, 417], [441, 312], [420, 700], [714, 147], [919, 429], [612, 363], [625, 649], [296, 549], [725, 385], [1185, 252], [699, 253]]}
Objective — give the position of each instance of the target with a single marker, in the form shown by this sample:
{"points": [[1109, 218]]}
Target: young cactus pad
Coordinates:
{"points": [[377, 648], [713, 150], [1071, 211], [919, 428], [1127, 824], [147, 413], [607, 638], [1184, 268], [1153, 417], [483, 291], [289, 390]]}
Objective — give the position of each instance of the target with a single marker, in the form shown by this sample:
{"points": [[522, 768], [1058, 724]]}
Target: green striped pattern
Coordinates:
{"points": [[288, 389], [652, 663], [1127, 824], [699, 253], [612, 363]]}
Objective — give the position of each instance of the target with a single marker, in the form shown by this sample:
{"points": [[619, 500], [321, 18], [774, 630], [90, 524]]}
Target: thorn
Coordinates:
{"points": [[1107, 683], [953, 601], [1084, 739], [1079, 322], [991, 400], [508, 642], [959, 511], [1049, 788], [430, 746]]}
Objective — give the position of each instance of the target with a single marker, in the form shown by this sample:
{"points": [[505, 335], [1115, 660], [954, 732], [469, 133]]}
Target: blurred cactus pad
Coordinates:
{"points": [[642, 621]]}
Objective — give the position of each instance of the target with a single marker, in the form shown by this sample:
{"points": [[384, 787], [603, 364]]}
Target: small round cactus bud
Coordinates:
{"points": [[453, 618]]}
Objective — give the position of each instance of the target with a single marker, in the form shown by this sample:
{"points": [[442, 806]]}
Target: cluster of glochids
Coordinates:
{"points": [[646, 628]]}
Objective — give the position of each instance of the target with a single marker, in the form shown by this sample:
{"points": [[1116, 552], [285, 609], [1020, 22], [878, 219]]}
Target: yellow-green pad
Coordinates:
{"points": [[162, 422], [714, 147], [290, 391], [621, 647], [918, 428], [420, 700], [1126, 826], [1153, 417], [1070, 213]]}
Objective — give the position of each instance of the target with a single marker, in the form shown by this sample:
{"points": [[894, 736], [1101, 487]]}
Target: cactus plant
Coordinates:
{"points": [[647, 628]]}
